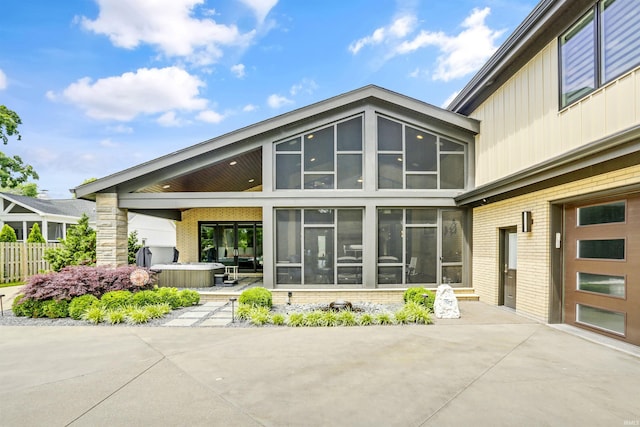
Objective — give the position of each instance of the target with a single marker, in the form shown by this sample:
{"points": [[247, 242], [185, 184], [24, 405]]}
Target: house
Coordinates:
{"points": [[55, 216], [526, 187]]}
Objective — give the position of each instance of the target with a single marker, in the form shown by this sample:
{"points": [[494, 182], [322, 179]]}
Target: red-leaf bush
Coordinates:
{"points": [[75, 281]]}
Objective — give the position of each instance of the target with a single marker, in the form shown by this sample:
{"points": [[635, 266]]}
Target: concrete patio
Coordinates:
{"points": [[491, 367]]}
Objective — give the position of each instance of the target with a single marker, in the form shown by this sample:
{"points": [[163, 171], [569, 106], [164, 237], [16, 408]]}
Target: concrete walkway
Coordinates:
{"points": [[490, 368]]}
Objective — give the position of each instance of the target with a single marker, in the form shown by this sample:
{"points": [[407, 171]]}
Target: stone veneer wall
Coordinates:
{"points": [[187, 229], [111, 233], [533, 277]]}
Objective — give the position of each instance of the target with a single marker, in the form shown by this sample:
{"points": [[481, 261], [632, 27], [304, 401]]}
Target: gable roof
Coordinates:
{"points": [[547, 21], [63, 207], [247, 141]]}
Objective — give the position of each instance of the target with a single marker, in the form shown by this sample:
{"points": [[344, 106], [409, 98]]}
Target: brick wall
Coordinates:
{"points": [[533, 277], [187, 229]]}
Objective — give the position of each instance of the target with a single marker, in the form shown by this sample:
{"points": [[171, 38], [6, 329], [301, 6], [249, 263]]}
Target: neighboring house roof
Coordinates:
{"points": [[547, 21], [62, 207], [202, 165]]}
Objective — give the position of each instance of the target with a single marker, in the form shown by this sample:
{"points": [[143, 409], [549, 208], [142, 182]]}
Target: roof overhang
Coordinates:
{"points": [[207, 154], [547, 21], [610, 153]]}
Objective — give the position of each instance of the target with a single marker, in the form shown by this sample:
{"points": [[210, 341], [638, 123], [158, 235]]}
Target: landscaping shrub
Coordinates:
{"points": [[8, 234], [259, 316], [347, 318], [243, 311], [80, 304], [278, 319], [170, 296], [77, 248], [415, 295], [75, 281], [115, 299], [313, 318], [330, 318], [138, 315], [188, 297], [413, 312], [55, 309], [157, 311], [94, 314], [115, 316], [258, 297], [365, 319], [146, 297], [383, 319], [35, 235], [296, 319], [26, 307]]}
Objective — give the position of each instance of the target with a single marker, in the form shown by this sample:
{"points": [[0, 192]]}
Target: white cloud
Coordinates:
{"points": [[108, 143], [238, 70], [398, 29], [450, 99], [169, 119], [146, 91], [210, 116], [168, 25], [260, 8], [120, 129], [3, 80], [307, 86], [461, 54], [278, 101], [249, 108]]}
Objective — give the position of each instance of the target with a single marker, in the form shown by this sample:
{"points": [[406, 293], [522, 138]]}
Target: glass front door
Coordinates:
{"points": [[232, 243]]}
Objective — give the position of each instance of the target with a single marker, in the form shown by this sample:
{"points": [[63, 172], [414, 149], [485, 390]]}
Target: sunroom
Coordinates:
{"points": [[356, 191]]}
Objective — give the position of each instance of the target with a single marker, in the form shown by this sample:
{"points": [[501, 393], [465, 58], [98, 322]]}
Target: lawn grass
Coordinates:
{"points": [[8, 285]]}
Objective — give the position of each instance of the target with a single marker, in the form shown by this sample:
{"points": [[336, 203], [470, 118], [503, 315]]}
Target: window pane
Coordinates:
{"points": [[350, 235], [422, 182], [601, 249], [390, 235], [293, 145], [318, 216], [54, 231], [422, 256], [422, 150], [602, 214], [350, 135], [318, 256], [389, 275], [318, 181], [350, 171], [287, 171], [620, 37], [451, 171], [577, 56], [389, 135], [349, 275], [17, 227], [602, 284], [390, 171], [288, 275], [288, 236], [452, 236], [318, 151], [446, 145], [452, 275], [422, 216], [599, 318]]}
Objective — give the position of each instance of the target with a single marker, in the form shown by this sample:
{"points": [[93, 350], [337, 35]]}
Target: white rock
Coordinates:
{"points": [[446, 303]]}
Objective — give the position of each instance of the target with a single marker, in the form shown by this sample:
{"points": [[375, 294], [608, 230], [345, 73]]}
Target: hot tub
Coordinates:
{"points": [[188, 275]]}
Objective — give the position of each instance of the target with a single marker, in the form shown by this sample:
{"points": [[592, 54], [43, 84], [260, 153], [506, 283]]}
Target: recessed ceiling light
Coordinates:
{"points": [[310, 136], [233, 163], [251, 180], [166, 186], [419, 136], [399, 159], [313, 159], [360, 179]]}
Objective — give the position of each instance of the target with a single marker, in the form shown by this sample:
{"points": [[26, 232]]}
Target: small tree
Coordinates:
{"points": [[133, 246], [78, 248], [8, 234], [35, 236]]}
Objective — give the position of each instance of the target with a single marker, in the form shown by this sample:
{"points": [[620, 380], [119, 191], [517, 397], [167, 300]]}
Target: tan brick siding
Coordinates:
{"points": [[533, 276], [187, 229]]}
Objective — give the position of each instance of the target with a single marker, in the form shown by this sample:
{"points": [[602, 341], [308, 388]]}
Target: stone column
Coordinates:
{"points": [[111, 231]]}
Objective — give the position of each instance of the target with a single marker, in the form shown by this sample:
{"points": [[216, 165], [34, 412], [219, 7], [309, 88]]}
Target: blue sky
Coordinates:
{"points": [[103, 85]]}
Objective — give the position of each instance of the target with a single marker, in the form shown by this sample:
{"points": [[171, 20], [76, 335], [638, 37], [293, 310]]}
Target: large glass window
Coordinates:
{"points": [[319, 246], [601, 284], [326, 158], [601, 46], [420, 245], [602, 214], [411, 158], [611, 321]]}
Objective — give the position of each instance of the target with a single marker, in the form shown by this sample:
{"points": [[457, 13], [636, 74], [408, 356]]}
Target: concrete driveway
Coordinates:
{"points": [[490, 368]]}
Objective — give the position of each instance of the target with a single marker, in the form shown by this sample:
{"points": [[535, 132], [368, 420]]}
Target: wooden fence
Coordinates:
{"points": [[20, 260]]}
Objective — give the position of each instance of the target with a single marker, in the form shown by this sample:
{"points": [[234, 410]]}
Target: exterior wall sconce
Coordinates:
{"points": [[527, 222]]}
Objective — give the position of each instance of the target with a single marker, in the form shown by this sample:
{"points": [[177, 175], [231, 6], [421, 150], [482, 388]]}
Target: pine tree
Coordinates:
{"points": [[35, 236], [8, 234], [78, 248]]}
